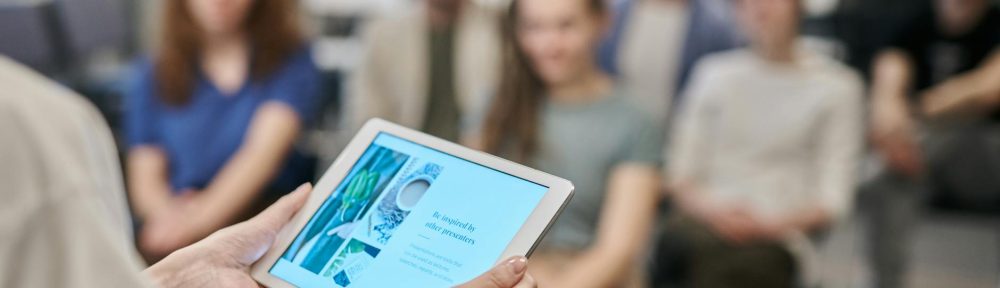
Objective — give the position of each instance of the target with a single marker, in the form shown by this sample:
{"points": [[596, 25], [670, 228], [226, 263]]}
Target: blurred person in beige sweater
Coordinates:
{"points": [[764, 154]]}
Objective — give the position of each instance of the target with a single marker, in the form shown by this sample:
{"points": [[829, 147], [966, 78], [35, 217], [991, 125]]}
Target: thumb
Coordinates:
{"points": [[279, 213], [246, 242], [505, 275]]}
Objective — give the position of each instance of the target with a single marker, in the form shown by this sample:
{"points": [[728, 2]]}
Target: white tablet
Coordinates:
{"points": [[400, 208]]}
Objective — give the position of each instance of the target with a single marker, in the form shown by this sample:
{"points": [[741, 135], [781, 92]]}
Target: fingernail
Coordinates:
{"points": [[518, 265], [304, 186]]}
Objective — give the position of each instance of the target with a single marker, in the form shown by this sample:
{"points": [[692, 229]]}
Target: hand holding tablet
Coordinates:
{"points": [[401, 208]]}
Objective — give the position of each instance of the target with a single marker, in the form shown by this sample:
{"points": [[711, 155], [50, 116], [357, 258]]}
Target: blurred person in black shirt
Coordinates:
{"points": [[935, 123]]}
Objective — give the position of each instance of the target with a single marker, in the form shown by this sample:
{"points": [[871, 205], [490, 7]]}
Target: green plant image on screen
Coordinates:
{"points": [[336, 218], [359, 191], [374, 230]]}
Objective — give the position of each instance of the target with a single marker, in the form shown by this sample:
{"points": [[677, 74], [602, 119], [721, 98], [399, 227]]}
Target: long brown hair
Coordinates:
{"points": [[274, 35], [512, 123]]}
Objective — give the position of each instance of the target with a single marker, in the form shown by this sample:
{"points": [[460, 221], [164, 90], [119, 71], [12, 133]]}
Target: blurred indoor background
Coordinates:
{"points": [[90, 46]]}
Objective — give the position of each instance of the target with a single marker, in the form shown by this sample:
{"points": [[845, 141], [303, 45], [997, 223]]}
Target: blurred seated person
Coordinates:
{"points": [[935, 97], [212, 118], [764, 154], [555, 110], [427, 67], [654, 44]]}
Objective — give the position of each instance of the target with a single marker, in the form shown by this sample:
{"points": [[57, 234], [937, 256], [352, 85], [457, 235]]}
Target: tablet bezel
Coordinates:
{"points": [[524, 242]]}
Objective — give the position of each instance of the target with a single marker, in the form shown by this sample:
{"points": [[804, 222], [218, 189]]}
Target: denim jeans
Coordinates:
{"points": [[962, 160]]}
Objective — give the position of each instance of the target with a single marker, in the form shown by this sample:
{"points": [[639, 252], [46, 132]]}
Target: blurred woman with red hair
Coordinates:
{"points": [[213, 115]]}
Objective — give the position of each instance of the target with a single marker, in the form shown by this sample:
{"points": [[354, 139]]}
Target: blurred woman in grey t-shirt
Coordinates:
{"points": [[556, 111]]}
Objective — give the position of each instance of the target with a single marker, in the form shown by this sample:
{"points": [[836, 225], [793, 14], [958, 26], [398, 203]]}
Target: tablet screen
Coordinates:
{"points": [[408, 215]]}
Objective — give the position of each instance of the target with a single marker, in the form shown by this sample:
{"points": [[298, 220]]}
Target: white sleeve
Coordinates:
{"points": [[688, 147], [840, 149]]}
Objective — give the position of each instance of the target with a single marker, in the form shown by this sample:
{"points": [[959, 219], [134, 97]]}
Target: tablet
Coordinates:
{"points": [[400, 208]]}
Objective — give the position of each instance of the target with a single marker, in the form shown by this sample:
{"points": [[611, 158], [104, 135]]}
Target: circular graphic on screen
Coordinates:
{"points": [[412, 192]]}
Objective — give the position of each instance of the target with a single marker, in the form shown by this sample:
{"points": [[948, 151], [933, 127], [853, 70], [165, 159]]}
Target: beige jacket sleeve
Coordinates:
{"points": [[63, 218]]}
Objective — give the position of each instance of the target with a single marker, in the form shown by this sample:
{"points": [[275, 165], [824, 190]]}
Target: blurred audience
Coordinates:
{"points": [[428, 67], [654, 44], [213, 115], [555, 110], [935, 97], [763, 152], [764, 155]]}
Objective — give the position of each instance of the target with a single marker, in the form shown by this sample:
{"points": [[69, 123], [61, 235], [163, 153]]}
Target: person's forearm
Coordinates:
{"points": [[977, 91], [148, 198], [238, 185], [977, 83], [981, 81], [889, 98], [687, 199], [147, 180], [989, 78], [598, 268], [980, 86], [623, 231], [270, 137], [890, 84], [807, 220]]}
